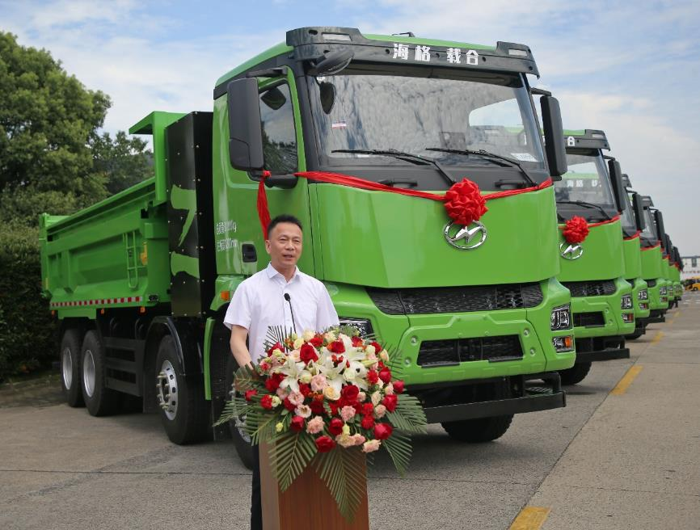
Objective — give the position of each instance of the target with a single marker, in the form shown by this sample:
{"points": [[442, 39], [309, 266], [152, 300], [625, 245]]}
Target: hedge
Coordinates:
{"points": [[27, 330]]}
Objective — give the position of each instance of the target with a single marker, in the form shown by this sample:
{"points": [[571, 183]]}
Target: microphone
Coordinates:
{"points": [[291, 310]]}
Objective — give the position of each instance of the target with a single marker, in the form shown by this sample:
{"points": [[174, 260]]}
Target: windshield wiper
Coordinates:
{"points": [[408, 157], [588, 205], [506, 162]]}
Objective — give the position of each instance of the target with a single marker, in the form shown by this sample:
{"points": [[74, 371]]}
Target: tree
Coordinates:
{"points": [[123, 161], [47, 121]]}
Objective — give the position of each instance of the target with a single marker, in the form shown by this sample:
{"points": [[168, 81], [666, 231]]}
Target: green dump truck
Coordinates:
{"points": [[141, 281], [594, 270], [653, 269], [632, 218]]}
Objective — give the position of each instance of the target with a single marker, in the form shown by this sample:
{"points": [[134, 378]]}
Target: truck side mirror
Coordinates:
{"points": [[659, 218], [553, 136], [617, 185], [245, 128], [638, 207]]}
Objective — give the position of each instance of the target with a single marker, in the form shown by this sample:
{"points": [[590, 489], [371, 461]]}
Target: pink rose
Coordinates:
{"points": [[296, 398], [359, 439], [380, 411], [347, 413], [361, 397], [318, 383], [371, 446], [314, 425]]}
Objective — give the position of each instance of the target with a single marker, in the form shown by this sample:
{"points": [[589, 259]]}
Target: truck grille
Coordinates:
{"points": [[450, 352], [589, 320], [579, 289], [456, 299]]}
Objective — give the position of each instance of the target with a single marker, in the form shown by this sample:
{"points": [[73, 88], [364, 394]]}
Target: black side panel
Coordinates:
{"points": [[190, 214]]}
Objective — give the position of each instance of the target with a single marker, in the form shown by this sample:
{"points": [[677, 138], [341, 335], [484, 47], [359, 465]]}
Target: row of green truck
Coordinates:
{"points": [[490, 319]]}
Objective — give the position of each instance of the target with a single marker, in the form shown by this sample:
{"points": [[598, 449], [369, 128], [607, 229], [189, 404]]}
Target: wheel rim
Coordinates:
{"points": [[239, 424], [167, 389], [67, 368], [89, 373]]}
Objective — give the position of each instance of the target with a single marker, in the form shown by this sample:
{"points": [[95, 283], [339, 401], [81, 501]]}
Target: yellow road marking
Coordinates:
{"points": [[626, 381], [530, 518], [659, 335]]}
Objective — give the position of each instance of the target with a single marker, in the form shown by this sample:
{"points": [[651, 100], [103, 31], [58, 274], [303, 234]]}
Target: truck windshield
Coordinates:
{"points": [[629, 224], [411, 113], [587, 181], [649, 231]]}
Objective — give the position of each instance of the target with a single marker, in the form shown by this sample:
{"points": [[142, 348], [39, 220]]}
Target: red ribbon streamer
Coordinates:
{"points": [[355, 182]]}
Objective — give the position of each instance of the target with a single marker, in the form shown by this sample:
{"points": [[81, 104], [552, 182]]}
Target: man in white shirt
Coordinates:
{"points": [[280, 295]]}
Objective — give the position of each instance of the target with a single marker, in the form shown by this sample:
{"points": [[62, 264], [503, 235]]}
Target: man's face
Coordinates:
{"points": [[284, 245]]}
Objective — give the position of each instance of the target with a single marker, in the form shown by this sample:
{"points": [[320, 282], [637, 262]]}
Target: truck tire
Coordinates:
{"points": [[70, 368], [241, 439], [99, 400], [575, 374], [183, 409], [480, 430]]}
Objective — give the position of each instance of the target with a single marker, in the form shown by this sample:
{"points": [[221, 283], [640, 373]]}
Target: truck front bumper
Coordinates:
{"points": [[595, 349], [518, 394], [657, 316]]}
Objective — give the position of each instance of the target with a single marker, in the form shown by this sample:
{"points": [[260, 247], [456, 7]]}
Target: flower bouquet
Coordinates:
{"points": [[325, 399]]}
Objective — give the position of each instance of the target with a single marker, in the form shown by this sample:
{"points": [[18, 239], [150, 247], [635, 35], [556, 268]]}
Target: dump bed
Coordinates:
{"points": [[141, 246]]}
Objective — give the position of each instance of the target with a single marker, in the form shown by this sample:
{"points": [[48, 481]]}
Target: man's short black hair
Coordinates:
{"points": [[284, 218]]}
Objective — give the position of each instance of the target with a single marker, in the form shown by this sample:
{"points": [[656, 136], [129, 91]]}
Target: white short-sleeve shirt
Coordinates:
{"points": [[259, 303]]}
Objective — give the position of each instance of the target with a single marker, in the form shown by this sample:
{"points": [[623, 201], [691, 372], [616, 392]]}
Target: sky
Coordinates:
{"points": [[629, 68]]}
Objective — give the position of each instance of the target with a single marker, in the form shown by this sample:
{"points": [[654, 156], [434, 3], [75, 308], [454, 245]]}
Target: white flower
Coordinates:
{"points": [[308, 335], [349, 374], [384, 356], [330, 336], [346, 429], [345, 440], [376, 398], [379, 411], [389, 389], [279, 427], [331, 393], [298, 343], [371, 446], [293, 371], [305, 377], [370, 350], [303, 410], [276, 401]]}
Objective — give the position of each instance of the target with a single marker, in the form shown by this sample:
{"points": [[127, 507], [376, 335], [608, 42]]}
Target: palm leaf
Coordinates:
{"points": [[409, 415], [343, 471], [398, 445], [233, 409], [290, 453], [261, 425], [274, 335]]}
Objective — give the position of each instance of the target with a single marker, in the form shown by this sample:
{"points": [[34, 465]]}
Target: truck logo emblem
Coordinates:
{"points": [[465, 237], [571, 251]]}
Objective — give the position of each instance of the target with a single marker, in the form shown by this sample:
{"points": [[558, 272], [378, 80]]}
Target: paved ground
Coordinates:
{"points": [[623, 460]]}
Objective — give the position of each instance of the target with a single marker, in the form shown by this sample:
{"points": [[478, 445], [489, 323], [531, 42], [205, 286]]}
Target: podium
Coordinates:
{"points": [[307, 503]]}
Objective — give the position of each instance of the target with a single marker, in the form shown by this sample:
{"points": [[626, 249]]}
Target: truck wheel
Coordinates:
{"points": [[183, 409], [575, 374], [100, 400], [241, 439], [70, 368], [479, 430]]}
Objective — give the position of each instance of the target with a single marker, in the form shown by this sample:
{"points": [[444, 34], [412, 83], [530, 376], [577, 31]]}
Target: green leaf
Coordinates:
{"points": [[409, 415], [233, 409], [398, 445], [290, 453], [343, 471]]}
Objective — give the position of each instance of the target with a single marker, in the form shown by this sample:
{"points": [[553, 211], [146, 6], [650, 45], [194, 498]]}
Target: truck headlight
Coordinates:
{"points": [[662, 291], [644, 294], [364, 326], [562, 344], [560, 318], [627, 301]]}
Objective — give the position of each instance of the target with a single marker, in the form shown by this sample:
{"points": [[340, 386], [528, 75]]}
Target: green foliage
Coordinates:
{"points": [[47, 120], [27, 330], [292, 454], [343, 471], [123, 161]]}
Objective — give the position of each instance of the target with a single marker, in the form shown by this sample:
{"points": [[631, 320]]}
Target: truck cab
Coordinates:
{"points": [[653, 266], [594, 270]]}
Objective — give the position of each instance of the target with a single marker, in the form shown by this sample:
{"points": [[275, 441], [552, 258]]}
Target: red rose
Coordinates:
{"points": [[390, 402], [385, 375], [334, 405], [308, 353], [367, 422], [350, 393], [324, 444], [276, 346], [377, 347], [336, 426], [317, 407], [249, 394], [272, 383], [382, 431], [367, 409], [337, 346], [398, 387], [576, 230], [266, 402], [372, 377], [317, 341], [356, 342], [297, 424], [288, 404], [464, 202], [304, 389]]}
